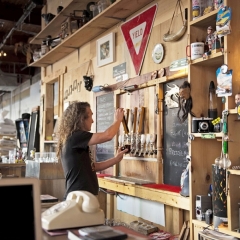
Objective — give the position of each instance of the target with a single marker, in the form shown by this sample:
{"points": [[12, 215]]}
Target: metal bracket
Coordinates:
{"points": [[120, 19]]}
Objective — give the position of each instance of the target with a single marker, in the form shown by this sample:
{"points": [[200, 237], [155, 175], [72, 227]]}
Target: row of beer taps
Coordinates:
{"points": [[141, 145]]}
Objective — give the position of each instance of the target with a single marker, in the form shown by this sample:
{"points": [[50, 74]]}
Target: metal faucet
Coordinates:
{"points": [[133, 141], [147, 144], [152, 144], [138, 140], [143, 140]]}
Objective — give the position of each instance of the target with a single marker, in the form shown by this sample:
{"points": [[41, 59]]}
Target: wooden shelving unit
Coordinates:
{"points": [[204, 151], [215, 59], [111, 16], [205, 20]]}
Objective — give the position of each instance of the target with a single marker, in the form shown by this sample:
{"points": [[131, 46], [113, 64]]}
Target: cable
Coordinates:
{"points": [[107, 192]]}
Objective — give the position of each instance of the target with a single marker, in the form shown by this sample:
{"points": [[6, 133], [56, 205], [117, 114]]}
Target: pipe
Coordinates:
{"points": [[28, 32], [20, 21]]}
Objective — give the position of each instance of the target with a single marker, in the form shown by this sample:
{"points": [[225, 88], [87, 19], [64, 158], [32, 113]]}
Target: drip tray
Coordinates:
{"points": [[129, 180]]}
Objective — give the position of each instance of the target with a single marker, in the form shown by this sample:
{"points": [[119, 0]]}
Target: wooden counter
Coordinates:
{"points": [[152, 194], [13, 169]]}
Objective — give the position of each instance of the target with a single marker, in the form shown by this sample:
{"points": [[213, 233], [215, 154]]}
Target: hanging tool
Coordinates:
{"points": [[168, 37], [141, 120]]}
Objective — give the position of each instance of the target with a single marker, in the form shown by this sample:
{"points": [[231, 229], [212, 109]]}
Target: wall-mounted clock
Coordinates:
{"points": [[158, 53]]}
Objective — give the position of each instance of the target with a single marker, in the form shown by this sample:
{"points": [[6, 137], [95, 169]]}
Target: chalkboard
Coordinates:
{"points": [[175, 141], [104, 118], [34, 136]]}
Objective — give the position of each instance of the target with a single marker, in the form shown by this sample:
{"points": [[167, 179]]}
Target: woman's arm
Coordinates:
{"points": [[99, 166], [109, 133]]}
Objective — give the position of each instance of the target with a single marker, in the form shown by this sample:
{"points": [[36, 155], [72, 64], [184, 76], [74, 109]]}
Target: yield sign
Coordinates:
{"points": [[136, 32]]}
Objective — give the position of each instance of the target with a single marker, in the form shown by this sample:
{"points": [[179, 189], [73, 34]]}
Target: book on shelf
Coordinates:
{"points": [[96, 233]]}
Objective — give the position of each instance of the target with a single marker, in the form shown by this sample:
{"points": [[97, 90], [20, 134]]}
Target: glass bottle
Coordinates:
{"points": [[212, 104]]}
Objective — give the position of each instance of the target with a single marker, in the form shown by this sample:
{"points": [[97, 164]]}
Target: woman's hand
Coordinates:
{"points": [[119, 113], [120, 153]]}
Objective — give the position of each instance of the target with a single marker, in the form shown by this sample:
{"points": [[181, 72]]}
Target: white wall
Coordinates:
{"points": [[21, 100]]}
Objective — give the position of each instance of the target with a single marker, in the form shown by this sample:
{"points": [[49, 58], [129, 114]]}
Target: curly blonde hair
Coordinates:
{"points": [[71, 121]]}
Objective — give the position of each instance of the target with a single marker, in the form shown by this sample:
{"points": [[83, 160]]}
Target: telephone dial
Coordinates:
{"points": [[81, 208]]}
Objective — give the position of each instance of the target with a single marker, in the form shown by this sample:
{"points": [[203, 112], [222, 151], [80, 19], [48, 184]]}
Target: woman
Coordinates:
{"points": [[73, 147]]}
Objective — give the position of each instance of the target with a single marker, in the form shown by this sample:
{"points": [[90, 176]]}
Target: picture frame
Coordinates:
{"points": [[106, 50]]}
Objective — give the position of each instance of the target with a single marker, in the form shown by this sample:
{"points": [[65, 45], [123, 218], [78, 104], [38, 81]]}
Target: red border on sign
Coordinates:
{"points": [[144, 19]]}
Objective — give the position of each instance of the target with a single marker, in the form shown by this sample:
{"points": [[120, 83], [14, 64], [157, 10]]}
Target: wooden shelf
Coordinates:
{"points": [[50, 142], [215, 59], [205, 20], [111, 16], [232, 233], [53, 28], [219, 134], [234, 172], [222, 230], [233, 111], [165, 197]]}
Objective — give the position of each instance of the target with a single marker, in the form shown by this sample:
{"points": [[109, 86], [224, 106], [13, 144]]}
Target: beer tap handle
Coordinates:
{"points": [[135, 119], [125, 127], [127, 115], [130, 121]]}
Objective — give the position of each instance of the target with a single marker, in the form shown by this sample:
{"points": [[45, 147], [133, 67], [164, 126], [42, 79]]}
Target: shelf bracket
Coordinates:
{"points": [[120, 19]]}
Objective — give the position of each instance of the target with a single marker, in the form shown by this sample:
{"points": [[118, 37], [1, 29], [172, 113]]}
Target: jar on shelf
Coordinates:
{"points": [[199, 6], [44, 48], [103, 4]]}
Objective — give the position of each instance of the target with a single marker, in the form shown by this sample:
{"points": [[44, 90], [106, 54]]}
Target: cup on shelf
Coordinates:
{"points": [[46, 157], [41, 157], [52, 157], [5, 159], [195, 50], [12, 154]]}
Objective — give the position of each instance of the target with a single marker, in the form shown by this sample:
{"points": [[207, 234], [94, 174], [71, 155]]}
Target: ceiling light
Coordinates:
{"points": [[3, 54]]}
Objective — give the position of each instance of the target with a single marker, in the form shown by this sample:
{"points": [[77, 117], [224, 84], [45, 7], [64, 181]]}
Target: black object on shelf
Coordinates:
{"points": [[34, 135], [22, 126]]}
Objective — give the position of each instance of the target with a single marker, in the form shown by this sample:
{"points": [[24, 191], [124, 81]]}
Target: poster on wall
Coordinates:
{"points": [[136, 33]]}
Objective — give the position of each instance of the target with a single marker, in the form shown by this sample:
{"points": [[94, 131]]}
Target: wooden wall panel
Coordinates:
{"points": [[75, 65], [141, 169]]}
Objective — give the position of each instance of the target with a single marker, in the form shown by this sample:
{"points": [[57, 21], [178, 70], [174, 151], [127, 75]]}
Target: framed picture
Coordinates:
{"points": [[106, 50]]}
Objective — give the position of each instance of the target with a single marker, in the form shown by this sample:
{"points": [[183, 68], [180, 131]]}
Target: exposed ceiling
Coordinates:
{"points": [[20, 20]]}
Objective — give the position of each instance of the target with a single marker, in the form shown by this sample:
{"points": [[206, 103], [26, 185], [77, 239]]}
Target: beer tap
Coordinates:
{"points": [[138, 141], [120, 142], [133, 141], [143, 140], [152, 144], [147, 144]]}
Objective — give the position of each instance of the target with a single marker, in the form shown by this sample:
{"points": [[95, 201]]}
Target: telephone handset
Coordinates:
{"points": [[88, 202], [81, 208]]}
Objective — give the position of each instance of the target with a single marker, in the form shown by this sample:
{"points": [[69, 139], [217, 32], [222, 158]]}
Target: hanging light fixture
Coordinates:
{"points": [[3, 54]]}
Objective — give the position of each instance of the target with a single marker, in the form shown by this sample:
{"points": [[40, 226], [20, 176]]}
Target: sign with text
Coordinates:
{"points": [[136, 32], [119, 70]]}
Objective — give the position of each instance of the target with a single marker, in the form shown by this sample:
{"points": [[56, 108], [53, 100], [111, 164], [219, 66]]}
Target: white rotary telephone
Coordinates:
{"points": [[81, 208]]}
